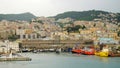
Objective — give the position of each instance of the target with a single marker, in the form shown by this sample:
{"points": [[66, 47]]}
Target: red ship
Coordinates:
{"points": [[90, 51], [78, 51]]}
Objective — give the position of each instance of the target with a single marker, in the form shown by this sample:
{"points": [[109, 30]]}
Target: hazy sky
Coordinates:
{"points": [[53, 7]]}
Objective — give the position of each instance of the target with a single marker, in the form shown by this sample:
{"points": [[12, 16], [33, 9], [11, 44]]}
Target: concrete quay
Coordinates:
{"points": [[16, 59]]}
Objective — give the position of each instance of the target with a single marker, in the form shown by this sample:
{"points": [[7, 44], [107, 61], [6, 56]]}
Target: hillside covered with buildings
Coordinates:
{"points": [[66, 28]]}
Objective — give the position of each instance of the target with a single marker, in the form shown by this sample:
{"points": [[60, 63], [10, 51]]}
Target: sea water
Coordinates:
{"points": [[63, 60]]}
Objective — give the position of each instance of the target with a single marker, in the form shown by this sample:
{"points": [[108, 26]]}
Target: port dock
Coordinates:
{"points": [[16, 59]]}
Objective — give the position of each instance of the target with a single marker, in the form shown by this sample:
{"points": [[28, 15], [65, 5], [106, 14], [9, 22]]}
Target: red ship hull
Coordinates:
{"points": [[78, 51]]}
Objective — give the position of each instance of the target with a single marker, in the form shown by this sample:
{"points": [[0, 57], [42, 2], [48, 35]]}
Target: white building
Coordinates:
{"points": [[6, 46]]}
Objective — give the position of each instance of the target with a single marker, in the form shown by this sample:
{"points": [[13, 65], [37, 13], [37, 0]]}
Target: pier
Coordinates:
{"points": [[16, 59], [13, 56]]}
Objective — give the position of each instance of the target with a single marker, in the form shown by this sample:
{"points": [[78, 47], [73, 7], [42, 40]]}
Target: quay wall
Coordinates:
{"points": [[16, 59]]}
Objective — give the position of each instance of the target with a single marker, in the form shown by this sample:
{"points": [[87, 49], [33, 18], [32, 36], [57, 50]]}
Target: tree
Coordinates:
{"points": [[118, 33], [104, 24], [75, 28], [13, 37], [69, 29], [61, 25], [119, 25], [94, 25], [83, 27], [40, 21]]}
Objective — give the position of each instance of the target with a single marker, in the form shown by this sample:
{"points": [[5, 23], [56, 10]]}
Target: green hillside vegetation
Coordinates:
{"points": [[12, 17], [118, 17], [75, 28], [84, 15]]}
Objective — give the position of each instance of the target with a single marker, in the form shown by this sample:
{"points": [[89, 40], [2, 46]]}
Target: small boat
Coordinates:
{"points": [[111, 54], [78, 51], [107, 54], [97, 53], [114, 55], [35, 51], [88, 52], [102, 54], [58, 51], [24, 50], [51, 50]]}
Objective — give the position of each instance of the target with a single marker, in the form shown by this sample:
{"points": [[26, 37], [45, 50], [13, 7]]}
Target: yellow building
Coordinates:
{"points": [[112, 35], [83, 32], [94, 29], [28, 31]]}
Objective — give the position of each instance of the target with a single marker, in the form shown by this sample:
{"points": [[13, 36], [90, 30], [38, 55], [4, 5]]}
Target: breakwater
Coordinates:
{"points": [[16, 59]]}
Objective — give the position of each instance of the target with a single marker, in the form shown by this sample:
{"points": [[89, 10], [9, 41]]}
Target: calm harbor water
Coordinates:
{"points": [[63, 60]]}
